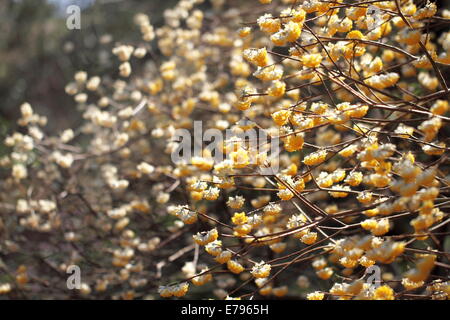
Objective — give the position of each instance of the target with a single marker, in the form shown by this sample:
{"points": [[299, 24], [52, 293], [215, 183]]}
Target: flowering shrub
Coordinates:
{"points": [[354, 91]]}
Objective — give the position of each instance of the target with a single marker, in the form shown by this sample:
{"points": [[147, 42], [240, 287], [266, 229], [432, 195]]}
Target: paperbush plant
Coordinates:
{"points": [[354, 92]]}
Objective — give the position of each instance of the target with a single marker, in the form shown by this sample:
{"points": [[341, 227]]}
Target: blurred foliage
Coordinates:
{"points": [[39, 55]]}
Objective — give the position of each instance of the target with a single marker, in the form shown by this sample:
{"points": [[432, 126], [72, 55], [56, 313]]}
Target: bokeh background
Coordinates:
{"points": [[39, 54]]}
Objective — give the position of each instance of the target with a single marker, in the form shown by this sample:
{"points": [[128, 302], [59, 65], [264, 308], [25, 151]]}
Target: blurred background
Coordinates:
{"points": [[39, 54]]}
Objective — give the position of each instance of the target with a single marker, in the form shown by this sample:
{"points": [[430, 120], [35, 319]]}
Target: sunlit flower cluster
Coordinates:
{"points": [[355, 98]]}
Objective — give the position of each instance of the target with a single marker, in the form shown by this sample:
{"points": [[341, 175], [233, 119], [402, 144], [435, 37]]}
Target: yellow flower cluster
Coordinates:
{"points": [[177, 290], [353, 101], [203, 238]]}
